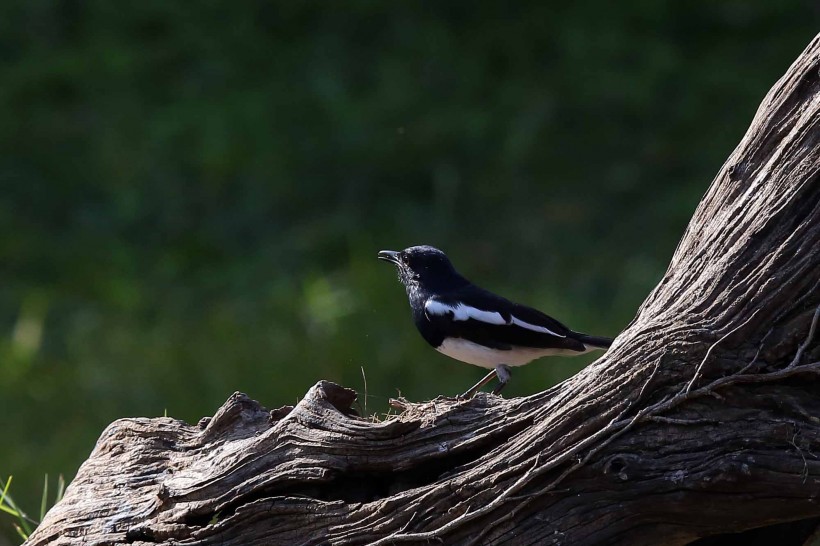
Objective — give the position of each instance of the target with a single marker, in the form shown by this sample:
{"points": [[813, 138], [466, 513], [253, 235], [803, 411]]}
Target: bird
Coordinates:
{"points": [[473, 325]]}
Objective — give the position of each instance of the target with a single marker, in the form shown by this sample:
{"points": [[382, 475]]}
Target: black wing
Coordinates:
{"points": [[482, 317]]}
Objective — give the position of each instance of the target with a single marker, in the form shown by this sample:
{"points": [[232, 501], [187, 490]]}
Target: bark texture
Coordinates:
{"points": [[702, 419]]}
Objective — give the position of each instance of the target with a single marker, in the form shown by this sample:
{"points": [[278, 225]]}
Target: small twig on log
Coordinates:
{"points": [[805, 472], [757, 353], [677, 421], [649, 380], [711, 348], [809, 338]]}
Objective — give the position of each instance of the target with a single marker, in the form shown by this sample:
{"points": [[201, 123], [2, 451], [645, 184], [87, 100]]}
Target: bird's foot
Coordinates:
{"points": [[504, 373]]}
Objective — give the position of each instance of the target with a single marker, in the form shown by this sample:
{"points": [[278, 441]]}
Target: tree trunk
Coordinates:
{"points": [[702, 419]]}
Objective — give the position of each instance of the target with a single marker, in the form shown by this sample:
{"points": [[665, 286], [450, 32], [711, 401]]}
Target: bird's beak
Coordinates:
{"points": [[389, 256]]}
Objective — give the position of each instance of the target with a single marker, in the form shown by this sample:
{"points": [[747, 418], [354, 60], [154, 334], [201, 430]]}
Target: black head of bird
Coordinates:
{"points": [[424, 266]]}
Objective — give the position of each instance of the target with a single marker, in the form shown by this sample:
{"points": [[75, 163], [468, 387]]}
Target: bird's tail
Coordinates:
{"points": [[594, 342]]}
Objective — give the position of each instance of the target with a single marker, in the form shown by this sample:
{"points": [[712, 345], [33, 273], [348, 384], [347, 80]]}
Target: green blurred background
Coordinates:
{"points": [[193, 194]]}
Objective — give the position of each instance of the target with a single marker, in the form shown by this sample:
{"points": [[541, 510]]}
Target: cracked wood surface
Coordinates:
{"points": [[702, 419]]}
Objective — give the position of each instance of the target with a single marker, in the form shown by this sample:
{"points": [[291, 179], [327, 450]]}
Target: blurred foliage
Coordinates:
{"points": [[192, 194]]}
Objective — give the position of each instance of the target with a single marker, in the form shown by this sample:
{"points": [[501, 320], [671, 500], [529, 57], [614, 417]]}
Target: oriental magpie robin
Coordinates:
{"points": [[473, 325]]}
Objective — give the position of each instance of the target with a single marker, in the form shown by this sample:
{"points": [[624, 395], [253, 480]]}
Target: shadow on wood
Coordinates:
{"points": [[701, 420]]}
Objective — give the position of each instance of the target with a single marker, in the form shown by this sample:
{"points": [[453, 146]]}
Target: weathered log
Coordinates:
{"points": [[702, 419]]}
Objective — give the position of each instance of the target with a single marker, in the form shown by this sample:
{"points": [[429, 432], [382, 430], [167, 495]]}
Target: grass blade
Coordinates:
{"points": [[7, 510], [10, 507], [44, 499], [6, 504], [5, 489], [60, 489]]}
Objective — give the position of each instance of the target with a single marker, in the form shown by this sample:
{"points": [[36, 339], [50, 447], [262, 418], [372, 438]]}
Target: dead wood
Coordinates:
{"points": [[702, 419]]}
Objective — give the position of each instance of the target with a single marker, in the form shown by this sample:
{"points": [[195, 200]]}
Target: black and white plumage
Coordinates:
{"points": [[473, 325]]}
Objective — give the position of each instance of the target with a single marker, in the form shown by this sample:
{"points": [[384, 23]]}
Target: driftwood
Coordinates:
{"points": [[702, 419]]}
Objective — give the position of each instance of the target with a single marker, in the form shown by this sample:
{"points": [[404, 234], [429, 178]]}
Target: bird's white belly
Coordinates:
{"points": [[486, 357]]}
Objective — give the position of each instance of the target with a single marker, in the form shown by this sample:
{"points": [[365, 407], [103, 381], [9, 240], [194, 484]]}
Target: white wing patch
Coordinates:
{"points": [[534, 328], [463, 312]]}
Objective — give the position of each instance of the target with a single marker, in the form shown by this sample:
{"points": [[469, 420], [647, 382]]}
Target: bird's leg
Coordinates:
{"points": [[474, 389], [503, 372]]}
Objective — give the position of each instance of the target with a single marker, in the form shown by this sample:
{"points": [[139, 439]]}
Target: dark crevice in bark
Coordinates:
{"points": [[792, 533], [139, 534]]}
